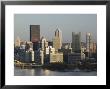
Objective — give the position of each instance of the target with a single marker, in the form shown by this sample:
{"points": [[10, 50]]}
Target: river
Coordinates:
{"points": [[45, 72]]}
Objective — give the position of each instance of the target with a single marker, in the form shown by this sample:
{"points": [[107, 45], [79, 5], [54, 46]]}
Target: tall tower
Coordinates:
{"points": [[57, 41], [34, 33], [76, 42], [88, 43], [44, 43]]}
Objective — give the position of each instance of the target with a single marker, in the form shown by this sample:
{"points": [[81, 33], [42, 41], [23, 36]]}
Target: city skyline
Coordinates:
{"points": [[54, 55], [49, 27]]}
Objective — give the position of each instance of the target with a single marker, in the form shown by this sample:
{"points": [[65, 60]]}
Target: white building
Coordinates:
{"points": [[50, 49], [44, 43], [42, 56], [56, 57]]}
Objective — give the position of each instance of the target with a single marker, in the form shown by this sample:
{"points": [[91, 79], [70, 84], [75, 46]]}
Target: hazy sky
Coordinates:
{"points": [[67, 23]]}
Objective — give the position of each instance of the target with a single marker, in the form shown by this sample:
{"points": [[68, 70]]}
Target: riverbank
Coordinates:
{"points": [[59, 66], [70, 67]]}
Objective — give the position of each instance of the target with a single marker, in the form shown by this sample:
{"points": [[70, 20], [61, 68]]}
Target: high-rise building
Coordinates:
{"points": [[76, 42], [94, 47], [44, 43], [42, 57], [57, 41], [88, 44], [34, 33]]}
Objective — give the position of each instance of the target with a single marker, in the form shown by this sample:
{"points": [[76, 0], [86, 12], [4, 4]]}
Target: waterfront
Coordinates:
{"points": [[45, 72]]}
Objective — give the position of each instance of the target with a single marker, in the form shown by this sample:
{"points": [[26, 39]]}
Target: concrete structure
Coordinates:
{"points": [[29, 56], [76, 42], [37, 56], [74, 57], [17, 42], [65, 54], [56, 57], [94, 47], [44, 43], [29, 45], [36, 45], [49, 50], [42, 57], [88, 44], [34, 33], [57, 41]]}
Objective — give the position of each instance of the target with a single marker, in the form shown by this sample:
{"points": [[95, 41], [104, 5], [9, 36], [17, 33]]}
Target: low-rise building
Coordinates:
{"points": [[56, 57]]}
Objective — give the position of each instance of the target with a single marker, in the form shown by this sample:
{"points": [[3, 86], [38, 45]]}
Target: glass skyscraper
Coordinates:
{"points": [[34, 33]]}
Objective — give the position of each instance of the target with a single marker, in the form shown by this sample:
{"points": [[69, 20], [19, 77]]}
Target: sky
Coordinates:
{"points": [[67, 23]]}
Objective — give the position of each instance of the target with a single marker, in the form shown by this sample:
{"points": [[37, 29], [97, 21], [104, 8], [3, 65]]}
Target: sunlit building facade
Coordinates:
{"points": [[57, 41], [17, 42]]}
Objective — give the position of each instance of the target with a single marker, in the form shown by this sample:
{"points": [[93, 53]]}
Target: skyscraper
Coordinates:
{"points": [[76, 42], [88, 43], [44, 43], [57, 41], [34, 33]]}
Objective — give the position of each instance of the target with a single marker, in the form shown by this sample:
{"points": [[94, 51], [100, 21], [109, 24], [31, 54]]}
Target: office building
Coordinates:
{"points": [[44, 43], [34, 33], [76, 42], [56, 57], [29, 56], [74, 58], [94, 47], [37, 56], [65, 53], [88, 44], [42, 57], [57, 41]]}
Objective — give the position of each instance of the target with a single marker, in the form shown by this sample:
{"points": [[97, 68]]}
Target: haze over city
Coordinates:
{"points": [[67, 23]]}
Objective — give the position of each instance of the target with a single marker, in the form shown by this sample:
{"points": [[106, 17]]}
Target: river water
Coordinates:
{"points": [[45, 72]]}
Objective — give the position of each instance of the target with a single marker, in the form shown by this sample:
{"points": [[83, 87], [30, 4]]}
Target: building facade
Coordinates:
{"points": [[76, 42], [56, 57], [17, 42], [74, 58], [88, 44], [34, 33], [57, 41]]}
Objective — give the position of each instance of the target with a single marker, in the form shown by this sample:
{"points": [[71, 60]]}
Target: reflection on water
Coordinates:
{"points": [[46, 72]]}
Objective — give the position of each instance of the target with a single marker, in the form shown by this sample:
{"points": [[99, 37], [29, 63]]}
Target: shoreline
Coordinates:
{"points": [[59, 67]]}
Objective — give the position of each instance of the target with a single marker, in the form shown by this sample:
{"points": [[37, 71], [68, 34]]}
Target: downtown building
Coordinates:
{"points": [[17, 42], [57, 41], [35, 36], [76, 42], [77, 54]]}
